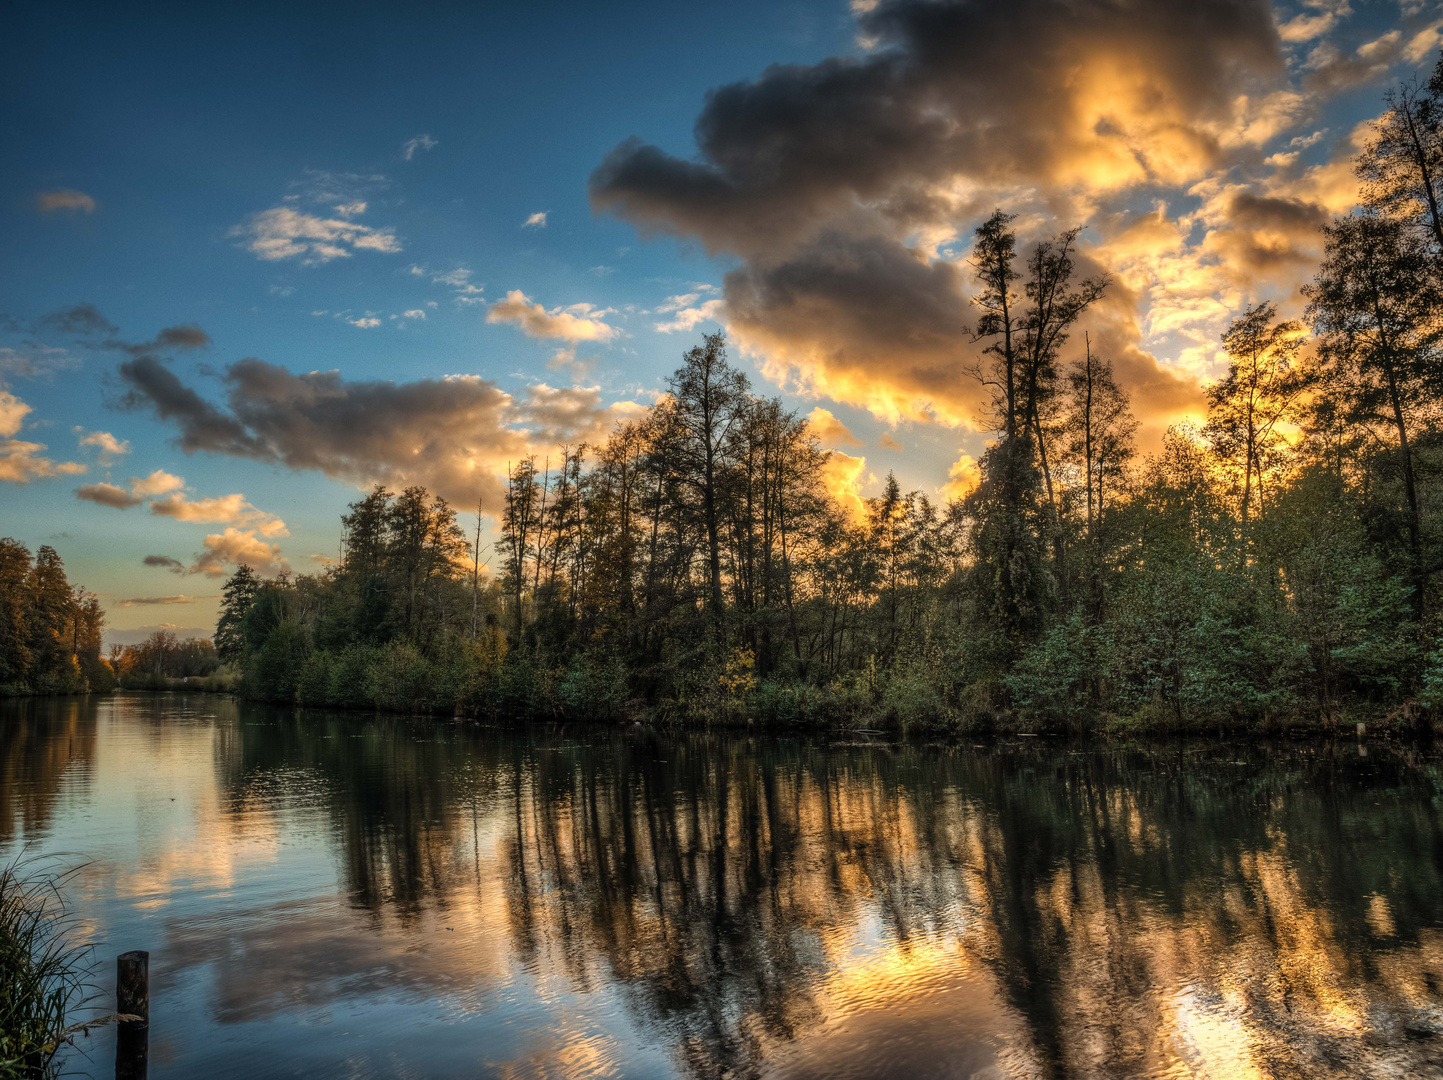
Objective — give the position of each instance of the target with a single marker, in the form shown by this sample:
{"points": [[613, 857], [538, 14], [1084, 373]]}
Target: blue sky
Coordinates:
{"points": [[348, 188]]}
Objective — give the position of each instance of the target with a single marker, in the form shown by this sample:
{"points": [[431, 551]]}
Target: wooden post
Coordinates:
{"points": [[132, 997], [1362, 729]]}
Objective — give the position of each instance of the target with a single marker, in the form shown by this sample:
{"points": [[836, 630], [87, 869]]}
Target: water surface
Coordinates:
{"points": [[333, 895]]}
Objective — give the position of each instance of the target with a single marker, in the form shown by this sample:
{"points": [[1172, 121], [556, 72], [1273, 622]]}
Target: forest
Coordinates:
{"points": [[1275, 566]]}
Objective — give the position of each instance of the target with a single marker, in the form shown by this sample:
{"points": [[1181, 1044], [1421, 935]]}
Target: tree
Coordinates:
{"points": [[710, 397], [237, 595], [1259, 393], [1402, 166], [1097, 428], [1375, 308]]}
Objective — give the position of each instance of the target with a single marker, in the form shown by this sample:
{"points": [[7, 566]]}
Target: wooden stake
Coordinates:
{"points": [[132, 998]]}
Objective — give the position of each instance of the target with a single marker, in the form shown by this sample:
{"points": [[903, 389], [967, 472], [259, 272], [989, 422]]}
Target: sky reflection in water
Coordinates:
{"points": [[336, 895]]}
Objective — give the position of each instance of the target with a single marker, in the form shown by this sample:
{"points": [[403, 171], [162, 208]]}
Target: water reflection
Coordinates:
{"points": [[436, 899]]}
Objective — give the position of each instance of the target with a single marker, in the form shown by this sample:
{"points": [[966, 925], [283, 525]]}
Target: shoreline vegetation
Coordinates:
{"points": [[710, 563]]}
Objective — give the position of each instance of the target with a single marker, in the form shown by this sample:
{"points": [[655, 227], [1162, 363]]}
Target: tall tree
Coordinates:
{"points": [[711, 398], [1402, 165], [1248, 406], [1376, 311]]}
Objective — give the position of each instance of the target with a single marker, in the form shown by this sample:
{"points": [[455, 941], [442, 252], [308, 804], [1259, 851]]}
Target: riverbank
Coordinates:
{"points": [[803, 714]]}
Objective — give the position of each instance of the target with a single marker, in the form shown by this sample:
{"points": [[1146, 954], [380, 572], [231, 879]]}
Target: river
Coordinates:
{"points": [[339, 895]]}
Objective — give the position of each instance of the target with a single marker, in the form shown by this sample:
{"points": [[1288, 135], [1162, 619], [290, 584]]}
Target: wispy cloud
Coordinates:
{"points": [[411, 147], [175, 566], [283, 232], [161, 601], [49, 201], [536, 220]]}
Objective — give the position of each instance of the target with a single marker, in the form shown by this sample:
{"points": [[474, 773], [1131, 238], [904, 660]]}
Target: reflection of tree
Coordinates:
{"points": [[1133, 909], [40, 739]]}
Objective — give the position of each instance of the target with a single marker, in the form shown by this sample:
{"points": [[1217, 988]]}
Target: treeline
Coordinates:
{"points": [[163, 659], [50, 633], [1278, 564]]}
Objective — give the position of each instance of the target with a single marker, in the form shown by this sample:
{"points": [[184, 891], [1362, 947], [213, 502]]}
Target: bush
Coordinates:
{"points": [[404, 679], [272, 671]]}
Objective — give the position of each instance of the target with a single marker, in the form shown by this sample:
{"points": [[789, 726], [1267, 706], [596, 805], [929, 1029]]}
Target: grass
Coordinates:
{"points": [[44, 970]]}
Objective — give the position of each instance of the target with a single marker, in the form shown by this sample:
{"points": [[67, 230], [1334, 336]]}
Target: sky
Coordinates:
{"points": [[257, 261]]}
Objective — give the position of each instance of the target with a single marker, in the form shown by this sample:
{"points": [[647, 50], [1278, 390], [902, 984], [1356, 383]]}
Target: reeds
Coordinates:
{"points": [[44, 970]]}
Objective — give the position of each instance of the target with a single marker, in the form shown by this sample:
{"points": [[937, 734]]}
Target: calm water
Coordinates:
{"points": [[338, 896]]}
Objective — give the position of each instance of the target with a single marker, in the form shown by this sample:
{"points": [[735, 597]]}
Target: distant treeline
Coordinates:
{"points": [[51, 637], [49, 633], [1277, 564]]}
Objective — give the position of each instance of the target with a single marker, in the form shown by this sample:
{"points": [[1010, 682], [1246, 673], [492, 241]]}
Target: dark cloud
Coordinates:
{"points": [[860, 319], [107, 495], [155, 387], [1036, 92], [848, 186], [83, 320], [454, 434], [175, 566]]}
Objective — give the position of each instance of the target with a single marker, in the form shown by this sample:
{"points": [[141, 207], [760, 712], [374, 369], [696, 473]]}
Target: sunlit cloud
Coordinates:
{"points": [[109, 446], [535, 221], [221, 510], [21, 461], [578, 322], [829, 430], [236, 547]]}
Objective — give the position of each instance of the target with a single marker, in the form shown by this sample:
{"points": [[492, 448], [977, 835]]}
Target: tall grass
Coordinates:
{"points": [[43, 969]]}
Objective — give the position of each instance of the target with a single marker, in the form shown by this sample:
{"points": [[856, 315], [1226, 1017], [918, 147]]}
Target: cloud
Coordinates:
{"points": [[829, 430], [175, 566], [420, 143], [283, 232], [963, 476], [454, 434], [36, 361], [163, 601], [110, 447], [687, 318], [235, 547], [842, 477], [574, 323], [223, 510], [366, 322], [107, 495], [535, 221], [414, 313], [351, 209], [12, 414], [886, 442], [20, 461], [846, 189], [159, 482], [49, 201]]}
